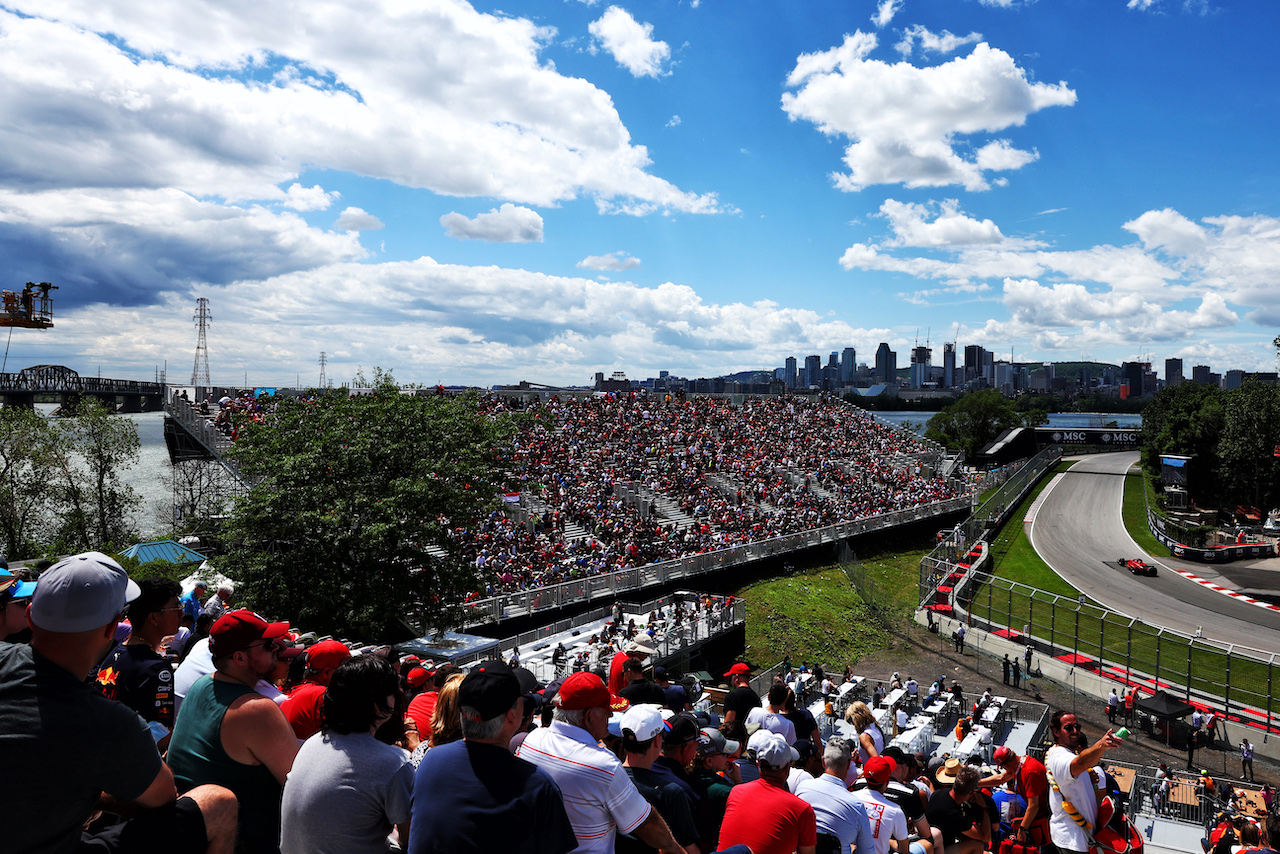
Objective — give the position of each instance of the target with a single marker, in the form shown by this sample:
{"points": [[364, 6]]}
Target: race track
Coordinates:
{"points": [[1078, 531]]}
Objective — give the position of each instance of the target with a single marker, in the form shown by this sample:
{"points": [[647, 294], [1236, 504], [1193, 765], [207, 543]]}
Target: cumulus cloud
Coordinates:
{"points": [[931, 42], [1140, 5], [507, 224], [885, 10], [631, 43], [234, 102], [356, 219], [301, 198], [615, 261], [912, 125], [912, 226], [673, 122]]}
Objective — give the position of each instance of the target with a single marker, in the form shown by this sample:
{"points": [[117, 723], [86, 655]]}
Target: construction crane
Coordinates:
{"points": [[30, 309]]}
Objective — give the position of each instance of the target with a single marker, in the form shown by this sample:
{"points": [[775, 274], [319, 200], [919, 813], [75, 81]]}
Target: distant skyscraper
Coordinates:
{"points": [[1200, 374], [790, 370], [886, 364], [1172, 372], [813, 370], [973, 362], [1232, 379], [921, 358], [949, 365], [848, 365]]}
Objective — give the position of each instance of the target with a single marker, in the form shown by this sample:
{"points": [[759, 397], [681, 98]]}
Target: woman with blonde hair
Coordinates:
{"points": [[446, 722], [870, 738]]}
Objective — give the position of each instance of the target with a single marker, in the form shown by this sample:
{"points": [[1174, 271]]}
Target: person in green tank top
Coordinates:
{"points": [[229, 735]]}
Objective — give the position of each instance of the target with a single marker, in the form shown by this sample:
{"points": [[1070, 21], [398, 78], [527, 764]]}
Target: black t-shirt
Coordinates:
{"points": [[671, 803], [644, 691], [740, 701], [67, 744], [802, 720], [906, 796], [951, 818], [134, 674], [677, 697]]}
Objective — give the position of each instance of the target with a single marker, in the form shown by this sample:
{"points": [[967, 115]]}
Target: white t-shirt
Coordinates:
{"points": [[1063, 829], [888, 821], [773, 722]]}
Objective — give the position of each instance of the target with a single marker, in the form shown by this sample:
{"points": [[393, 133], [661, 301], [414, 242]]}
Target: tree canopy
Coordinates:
{"points": [[973, 421], [345, 529]]}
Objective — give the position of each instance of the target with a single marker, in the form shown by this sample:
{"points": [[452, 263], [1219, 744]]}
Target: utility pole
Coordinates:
{"points": [[324, 360], [200, 372]]}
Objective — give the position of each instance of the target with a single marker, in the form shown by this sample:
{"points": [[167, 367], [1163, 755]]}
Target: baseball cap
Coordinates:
{"points": [[659, 673], [711, 742], [740, 667], [490, 688], [1002, 755], [235, 630], [327, 654], [17, 588], [418, 677], [683, 729], [772, 750], [585, 690], [81, 592], [878, 769], [644, 720]]}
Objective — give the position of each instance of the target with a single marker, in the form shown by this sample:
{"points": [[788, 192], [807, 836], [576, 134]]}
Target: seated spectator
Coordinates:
{"points": [[230, 735], [137, 672], [220, 601], [870, 738], [714, 775], [347, 790], [771, 716], [764, 815], [193, 602], [888, 821], [957, 810], [642, 730], [15, 596], [838, 811], [472, 796], [302, 706], [44, 696], [422, 707]]}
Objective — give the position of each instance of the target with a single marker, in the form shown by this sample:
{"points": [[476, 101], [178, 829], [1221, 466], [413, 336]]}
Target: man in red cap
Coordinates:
{"points": [[1032, 782], [888, 821], [302, 707], [598, 795], [230, 735], [741, 699]]}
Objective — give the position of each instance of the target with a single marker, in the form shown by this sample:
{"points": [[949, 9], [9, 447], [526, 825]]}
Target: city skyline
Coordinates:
{"points": [[467, 195]]}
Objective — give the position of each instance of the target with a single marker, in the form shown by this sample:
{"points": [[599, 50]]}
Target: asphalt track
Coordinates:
{"points": [[1077, 529]]}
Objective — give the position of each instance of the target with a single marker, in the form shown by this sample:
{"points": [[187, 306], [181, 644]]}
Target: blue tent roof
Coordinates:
{"points": [[166, 550]]}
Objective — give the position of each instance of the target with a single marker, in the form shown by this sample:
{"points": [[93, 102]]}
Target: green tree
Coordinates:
{"points": [[96, 504], [1186, 420], [1246, 448], [30, 458], [973, 421], [345, 529]]}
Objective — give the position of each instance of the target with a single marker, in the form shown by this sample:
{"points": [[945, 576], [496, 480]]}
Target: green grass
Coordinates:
{"points": [[1013, 557], [1134, 511]]}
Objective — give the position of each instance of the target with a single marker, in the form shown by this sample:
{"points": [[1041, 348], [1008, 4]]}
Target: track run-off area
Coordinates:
{"points": [[1077, 529]]}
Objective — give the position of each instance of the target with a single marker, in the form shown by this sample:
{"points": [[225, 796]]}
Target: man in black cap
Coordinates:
{"points": [[679, 747], [473, 795]]}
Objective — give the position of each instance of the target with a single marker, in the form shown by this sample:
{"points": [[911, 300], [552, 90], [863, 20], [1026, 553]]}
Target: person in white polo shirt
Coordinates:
{"points": [[598, 795], [838, 811]]}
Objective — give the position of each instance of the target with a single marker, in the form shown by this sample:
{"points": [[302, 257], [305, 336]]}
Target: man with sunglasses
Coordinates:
{"points": [[230, 735], [15, 595], [136, 672], [1072, 780]]}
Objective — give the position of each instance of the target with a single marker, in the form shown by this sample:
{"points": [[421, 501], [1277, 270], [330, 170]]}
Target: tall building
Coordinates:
{"points": [[848, 365], [790, 372], [949, 365], [1232, 379], [921, 358], [973, 362], [813, 370], [1172, 372], [1200, 374], [1131, 375], [886, 364]]}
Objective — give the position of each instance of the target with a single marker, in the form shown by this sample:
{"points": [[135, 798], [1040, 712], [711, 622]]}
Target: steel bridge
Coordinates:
{"points": [[67, 386]]}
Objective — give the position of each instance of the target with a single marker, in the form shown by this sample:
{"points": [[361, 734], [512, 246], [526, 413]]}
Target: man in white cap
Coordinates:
{"points": [[763, 814], [115, 765], [643, 728]]}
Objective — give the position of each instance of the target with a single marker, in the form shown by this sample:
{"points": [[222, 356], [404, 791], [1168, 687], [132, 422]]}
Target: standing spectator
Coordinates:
{"points": [[837, 811], [44, 696], [741, 699], [193, 602], [1113, 705], [1006, 666], [714, 776], [771, 716], [870, 738], [230, 735], [638, 649], [674, 694], [472, 796], [637, 688], [1031, 782], [888, 821], [346, 789], [136, 672], [1026, 659], [1246, 760], [1017, 673], [763, 814], [642, 735], [1130, 700], [302, 707], [422, 707], [1072, 785], [803, 720], [599, 797], [220, 601]]}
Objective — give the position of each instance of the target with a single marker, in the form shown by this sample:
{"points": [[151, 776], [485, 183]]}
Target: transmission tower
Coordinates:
{"points": [[200, 372], [323, 361]]}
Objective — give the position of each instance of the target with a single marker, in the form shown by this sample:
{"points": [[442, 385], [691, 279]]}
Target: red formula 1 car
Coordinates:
{"points": [[1137, 567]]}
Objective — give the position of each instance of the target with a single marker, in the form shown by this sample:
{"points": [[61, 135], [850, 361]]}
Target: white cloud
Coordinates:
{"points": [[615, 261], [235, 101], [949, 227], [931, 42], [907, 123], [673, 122], [507, 224], [356, 219], [885, 10], [301, 198], [631, 43]]}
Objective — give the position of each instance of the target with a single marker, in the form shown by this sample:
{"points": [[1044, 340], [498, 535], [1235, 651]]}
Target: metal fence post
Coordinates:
{"points": [[1190, 643]]}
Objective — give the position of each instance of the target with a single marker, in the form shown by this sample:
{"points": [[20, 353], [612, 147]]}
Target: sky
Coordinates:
{"points": [[465, 193]]}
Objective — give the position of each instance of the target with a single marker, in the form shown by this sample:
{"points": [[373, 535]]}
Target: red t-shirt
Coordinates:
{"points": [[768, 819], [303, 709], [615, 672], [1033, 780], [422, 708]]}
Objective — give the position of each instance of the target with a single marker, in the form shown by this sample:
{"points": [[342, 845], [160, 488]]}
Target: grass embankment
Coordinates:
{"points": [[1134, 511], [1012, 555], [817, 615]]}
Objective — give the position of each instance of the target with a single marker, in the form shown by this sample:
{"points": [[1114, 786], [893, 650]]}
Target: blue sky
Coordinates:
{"points": [[471, 193]]}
